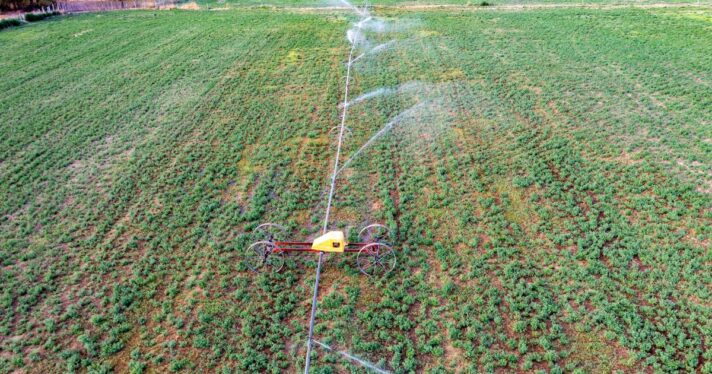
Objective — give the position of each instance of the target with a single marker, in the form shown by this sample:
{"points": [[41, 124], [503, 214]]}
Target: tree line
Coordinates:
{"points": [[12, 5]]}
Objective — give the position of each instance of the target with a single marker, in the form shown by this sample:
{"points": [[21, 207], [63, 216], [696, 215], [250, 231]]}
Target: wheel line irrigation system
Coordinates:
{"points": [[353, 34]]}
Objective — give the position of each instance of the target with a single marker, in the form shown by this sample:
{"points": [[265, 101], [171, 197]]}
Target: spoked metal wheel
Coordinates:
{"points": [[376, 259], [375, 232], [270, 231], [261, 256]]}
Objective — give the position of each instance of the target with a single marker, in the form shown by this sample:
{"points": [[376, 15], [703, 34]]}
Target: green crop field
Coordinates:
{"points": [[223, 4], [551, 202]]}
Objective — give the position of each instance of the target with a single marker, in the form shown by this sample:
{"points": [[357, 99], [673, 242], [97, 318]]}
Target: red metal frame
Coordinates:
{"points": [[306, 247]]}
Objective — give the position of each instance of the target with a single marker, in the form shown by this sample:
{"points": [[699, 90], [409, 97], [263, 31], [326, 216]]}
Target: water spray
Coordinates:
{"points": [[351, 357], [396, 120], [360, 12], [376, 49], [385, 91]]}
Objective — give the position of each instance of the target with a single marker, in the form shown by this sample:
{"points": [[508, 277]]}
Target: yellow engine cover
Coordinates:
{"points": [[332, 241]]}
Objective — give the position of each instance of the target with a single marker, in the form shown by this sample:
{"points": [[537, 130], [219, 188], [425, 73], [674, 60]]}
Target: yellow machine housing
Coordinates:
{"points": [[332, 241]]}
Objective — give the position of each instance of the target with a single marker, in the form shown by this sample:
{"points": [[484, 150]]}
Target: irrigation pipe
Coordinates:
{"points": [[328, 205], [341, 136]]}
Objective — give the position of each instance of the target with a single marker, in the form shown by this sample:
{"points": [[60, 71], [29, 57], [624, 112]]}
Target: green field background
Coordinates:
{"points": [[387, 3], [561, 220]]}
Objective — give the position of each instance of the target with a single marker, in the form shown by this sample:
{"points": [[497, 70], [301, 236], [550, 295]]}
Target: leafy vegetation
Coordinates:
{"points": [[561, 223], [222, 4], [10, 22], [34, 17]]}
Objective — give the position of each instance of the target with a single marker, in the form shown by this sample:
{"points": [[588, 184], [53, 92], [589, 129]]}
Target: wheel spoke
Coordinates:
{"points": [[376, 259], [370, 265], [260, 255], [374, 232], [270, 231]]}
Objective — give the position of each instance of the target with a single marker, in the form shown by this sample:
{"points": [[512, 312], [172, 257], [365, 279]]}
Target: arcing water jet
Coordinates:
{"points": [[396, 120], [379, 48], [384, 91]]}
